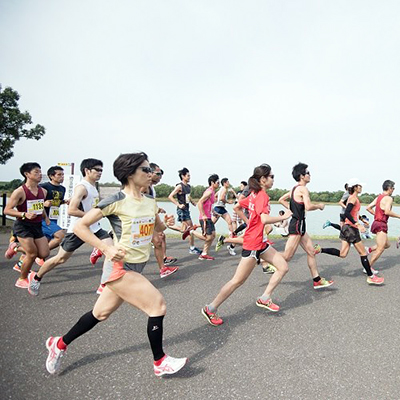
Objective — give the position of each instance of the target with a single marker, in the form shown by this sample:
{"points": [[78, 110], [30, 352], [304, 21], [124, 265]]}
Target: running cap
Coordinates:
{"points": [[354, 182]]}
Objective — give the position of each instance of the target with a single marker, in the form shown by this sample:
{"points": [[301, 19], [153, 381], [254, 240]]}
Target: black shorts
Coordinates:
{"points": [[350, 234], [255, 253], [207, 227], [71, 242], [297, 227], [24, 229]]}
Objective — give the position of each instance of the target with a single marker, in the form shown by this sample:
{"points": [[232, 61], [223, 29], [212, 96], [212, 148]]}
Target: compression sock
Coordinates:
{"points": [[366, 265], [85, 324], [155, 334], [336, 226], [240, 228], [331, 251]]}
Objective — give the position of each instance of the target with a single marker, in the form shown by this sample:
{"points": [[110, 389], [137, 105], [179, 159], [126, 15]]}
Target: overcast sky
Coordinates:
{"points": [[215, 86]]}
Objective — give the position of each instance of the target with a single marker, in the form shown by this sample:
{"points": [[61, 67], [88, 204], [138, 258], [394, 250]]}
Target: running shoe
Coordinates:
{"points": [[34, 285], [398, 242], [374, 271], [11, 250], [220, 243], [100, 288], [206, 257], [53, 361], [39, 261], [169, 365], [22, 283], [269, 305], [368, 250], [195, 250], [212, 318], [375, 280], [187, 231], [95, 255], [166, 271], [317, 249], [269, 269], [322, 283], [17, 267], [231, 250], [170, 260], [326, 224]]}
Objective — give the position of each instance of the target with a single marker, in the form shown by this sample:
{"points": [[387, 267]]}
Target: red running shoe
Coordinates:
{"points": [[96, 254], [206, 257], [12, 250], [166, 271], [212, 318]]}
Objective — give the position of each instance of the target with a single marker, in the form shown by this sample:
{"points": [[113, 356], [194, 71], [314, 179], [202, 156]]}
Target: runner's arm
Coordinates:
{"points": [[307, 202], [284, 200], [239, 211], [267, 219], [371, 207], [387, 207], [17, 198], [80, 193], [172, 195]]}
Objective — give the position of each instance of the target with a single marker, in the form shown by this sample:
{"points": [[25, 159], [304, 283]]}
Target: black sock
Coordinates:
{"points": [[155, 334], [85, 324], [317, 279], [36, 278], [366, 265], [331, 251], [240, 228], [336, 226]]}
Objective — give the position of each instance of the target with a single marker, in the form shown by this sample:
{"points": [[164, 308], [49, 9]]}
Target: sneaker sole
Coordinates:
{"points": [[376, 283], [170, 273], [266, 307], [323, 287], [208, 319]]}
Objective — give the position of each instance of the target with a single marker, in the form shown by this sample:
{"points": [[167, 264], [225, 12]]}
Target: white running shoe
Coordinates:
{"points": [[169, 365], [231, 250], [54, 358], [34, 285], [374, 271]]}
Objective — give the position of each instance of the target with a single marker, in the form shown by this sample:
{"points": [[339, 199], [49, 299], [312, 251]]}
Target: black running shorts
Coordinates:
{"points": [[350, 234], [297, 227], [71, 242]]}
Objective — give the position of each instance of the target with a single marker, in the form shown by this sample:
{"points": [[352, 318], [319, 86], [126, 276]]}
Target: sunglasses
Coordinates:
{"points": [[146, 170], [272, 176], [158, 173], [98, 169], [307, 173]]}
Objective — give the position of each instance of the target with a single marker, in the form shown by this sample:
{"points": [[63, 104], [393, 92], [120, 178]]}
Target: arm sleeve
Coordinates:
{"points": [[347, 213]]}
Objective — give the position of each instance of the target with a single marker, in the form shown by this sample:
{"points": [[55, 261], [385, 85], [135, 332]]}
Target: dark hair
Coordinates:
{"points": [[126, 165], [298, 170], [224, 180], [258, 173], [281, 212], [153, 166], [213, 178], [244, 183], [184, 171], [388, 184], [28, 167], [346, 186], [89, 163], [52, 170], [352, 188]]}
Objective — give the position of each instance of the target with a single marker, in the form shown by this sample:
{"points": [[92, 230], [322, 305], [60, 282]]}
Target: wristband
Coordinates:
{"points": [[23, 215]]}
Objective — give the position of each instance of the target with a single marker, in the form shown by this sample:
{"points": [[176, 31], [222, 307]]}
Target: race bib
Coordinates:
{"points": [[95, 202], [54, 212], [142, 231], [35, 206], [187, 198]]}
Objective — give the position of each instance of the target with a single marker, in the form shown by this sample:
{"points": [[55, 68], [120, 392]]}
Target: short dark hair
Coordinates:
{"points": [[281, 212], [298, 170], [346, 186], [388, 184], [244, 183], [126, 165], [89, 163], [184, 171], [28, 167], [52, 170], [212, 178], [153, 166], [224, 180]]}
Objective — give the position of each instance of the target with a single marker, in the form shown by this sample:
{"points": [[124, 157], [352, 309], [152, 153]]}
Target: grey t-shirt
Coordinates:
{"points": [[344, 199]]}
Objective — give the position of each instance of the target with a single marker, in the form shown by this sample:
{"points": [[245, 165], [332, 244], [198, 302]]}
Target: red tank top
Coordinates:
{"points": [[380, 215], [354, 211], [34, 204]]}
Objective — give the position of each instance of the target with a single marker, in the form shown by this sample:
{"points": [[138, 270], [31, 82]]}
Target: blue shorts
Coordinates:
{"points": [[183, 214], [50, 230], [219, 211]]}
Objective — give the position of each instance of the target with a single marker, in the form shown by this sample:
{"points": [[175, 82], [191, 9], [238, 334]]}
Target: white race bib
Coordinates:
{"points": [[35, 206], [54, 212], [187, 198], [142, 231]]}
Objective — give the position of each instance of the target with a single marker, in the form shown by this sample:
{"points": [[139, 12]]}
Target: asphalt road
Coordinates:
{"points": [[338, 343]]}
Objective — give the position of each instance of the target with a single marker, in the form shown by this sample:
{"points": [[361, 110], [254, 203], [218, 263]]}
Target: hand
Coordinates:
{"points": [[30, 215], [169, 220], [47, 220], [361, 228], [204, 218], [66, 201], [321, 206], [287, 214], [48, 203], [114, 253], [161, 211], [181, 206]]}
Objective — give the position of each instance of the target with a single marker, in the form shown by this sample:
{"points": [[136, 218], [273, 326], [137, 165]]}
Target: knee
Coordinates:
{"points": [[158, 306], [44, 254], [102, 315], [283, 268]]}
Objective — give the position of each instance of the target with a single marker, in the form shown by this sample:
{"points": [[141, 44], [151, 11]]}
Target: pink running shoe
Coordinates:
{"points": [[39, 261], [169, 365], [206, 257], [166, 271], [212, 318], [375, 280], [17, 266], [11, 250], [269, 305], [322, 283], [22, 283], [96, 254]]}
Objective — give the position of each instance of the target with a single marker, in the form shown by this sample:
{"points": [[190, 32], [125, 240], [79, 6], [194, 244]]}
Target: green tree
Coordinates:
{"points": [[13, 124]]}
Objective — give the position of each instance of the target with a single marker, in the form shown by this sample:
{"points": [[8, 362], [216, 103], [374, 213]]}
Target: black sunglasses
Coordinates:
{"points": [[98, 169], [307, 173], [158, 173], [146, 170], [272, 176]]}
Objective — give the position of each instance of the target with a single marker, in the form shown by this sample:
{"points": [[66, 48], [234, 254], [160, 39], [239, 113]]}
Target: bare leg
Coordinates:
{"points": [[382, 243], [307, 245]]}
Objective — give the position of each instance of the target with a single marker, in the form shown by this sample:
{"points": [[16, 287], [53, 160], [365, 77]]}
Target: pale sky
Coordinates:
{"points": [[214, 86]]}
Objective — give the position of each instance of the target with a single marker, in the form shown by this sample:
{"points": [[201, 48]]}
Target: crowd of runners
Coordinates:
{"points": [[138, 225]]}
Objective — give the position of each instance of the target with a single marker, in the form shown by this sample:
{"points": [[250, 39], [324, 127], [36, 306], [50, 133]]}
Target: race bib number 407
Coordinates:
{"points": [[35, 206], [142, 231]]}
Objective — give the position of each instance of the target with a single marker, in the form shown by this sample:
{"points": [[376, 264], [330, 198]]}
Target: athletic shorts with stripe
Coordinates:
{"points": [[113, 271], [255, 253], [297, 227]]}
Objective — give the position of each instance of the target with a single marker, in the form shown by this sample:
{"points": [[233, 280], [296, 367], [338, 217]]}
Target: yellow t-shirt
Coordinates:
{"points": [[132, 221]]}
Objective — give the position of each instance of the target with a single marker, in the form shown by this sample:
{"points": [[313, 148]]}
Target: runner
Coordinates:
{"points": [[182, 202], [350, 234], [255, 246], [300, 203], [54, 198], [342, 203], [205, 205], [84, 198], [220, 206], [236, 220], [381, 209], [133, 218], [28, 200]]}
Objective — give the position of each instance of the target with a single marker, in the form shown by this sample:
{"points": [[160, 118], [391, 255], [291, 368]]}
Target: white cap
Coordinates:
{"points": [[354, 182]]}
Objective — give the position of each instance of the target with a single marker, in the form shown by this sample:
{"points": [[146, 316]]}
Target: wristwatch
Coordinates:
{"points": [[23, 215]]}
